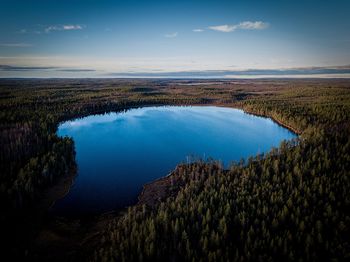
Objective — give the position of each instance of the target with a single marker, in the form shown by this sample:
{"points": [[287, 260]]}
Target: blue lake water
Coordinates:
{"points": [[119, 152]]}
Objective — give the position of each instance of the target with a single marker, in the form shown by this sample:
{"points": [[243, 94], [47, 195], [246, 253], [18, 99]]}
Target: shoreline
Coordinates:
{"points": [[251, 112], [62, 189], [156, 190], [58, 190], [274, 119]]}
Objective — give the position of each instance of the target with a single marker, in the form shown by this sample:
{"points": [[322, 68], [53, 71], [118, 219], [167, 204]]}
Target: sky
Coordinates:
{"points": [[101, 38]]}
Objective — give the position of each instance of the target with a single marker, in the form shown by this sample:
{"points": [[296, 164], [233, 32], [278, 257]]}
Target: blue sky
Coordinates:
{"points": [[114, 38]]}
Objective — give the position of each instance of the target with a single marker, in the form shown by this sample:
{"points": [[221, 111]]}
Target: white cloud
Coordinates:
{"points": [[62, 28], [198, 30], [72, 27], [223, 28], [15, 45], [52, 28], [246, 25], [258, 25], [172, 35]]}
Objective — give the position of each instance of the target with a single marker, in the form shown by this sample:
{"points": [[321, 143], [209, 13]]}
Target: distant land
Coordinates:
{"points": [[9, 71]]}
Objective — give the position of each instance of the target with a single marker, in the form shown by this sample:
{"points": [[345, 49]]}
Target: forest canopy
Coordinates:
{"points": [[291, 203]]}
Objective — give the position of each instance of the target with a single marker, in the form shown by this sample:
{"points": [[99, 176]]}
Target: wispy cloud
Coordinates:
{"points": [[246, 25], [257, 25], [172, 35], [62, 28], [43, 68], [15, 45], [223, 28], [198, 30], [76, 70], [24, 68]]}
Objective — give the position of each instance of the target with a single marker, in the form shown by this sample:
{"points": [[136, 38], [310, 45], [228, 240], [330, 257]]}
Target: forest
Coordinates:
{"points": [[291, 203]]}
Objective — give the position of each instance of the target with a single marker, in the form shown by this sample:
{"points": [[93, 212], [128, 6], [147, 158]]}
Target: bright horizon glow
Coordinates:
{"points": [[142, 39]]}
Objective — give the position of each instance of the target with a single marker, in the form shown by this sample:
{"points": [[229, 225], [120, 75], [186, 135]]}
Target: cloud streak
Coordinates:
{"points": [[198, 30], [63, 28], [257, 25], [25, 68], [172, 35], [223, 28], [246, 25], [43, 68]]}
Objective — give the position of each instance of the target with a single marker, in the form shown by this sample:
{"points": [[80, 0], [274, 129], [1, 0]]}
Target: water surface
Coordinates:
{"points": [[119, 152]]}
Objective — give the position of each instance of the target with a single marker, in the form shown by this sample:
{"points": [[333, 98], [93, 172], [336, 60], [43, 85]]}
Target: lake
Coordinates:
{"points": [[117, 153]]}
